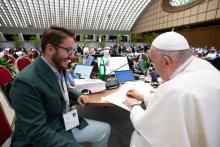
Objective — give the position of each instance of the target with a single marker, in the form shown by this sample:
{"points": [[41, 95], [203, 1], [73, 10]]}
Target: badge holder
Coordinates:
{"points": [[71, 118]]}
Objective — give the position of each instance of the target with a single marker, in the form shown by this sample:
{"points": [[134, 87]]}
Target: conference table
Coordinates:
{"points": [[95, 98]]}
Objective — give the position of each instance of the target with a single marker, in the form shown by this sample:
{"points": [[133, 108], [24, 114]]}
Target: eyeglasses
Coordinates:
{"points": [[70, 51]]}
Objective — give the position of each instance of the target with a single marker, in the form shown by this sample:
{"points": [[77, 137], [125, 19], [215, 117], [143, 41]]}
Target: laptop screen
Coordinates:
{"points": [[124, 76], [89, 60], [83, 70]]}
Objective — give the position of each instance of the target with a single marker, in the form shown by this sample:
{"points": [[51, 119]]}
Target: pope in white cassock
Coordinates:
{"points": [[184, 111]]}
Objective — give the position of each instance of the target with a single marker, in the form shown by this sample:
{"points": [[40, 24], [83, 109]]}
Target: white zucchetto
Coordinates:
{"points": [[170, 41]]}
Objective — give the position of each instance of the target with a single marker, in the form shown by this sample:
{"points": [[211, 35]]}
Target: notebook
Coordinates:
{"points": [[83, 70], [124, 76], [89, 60]]}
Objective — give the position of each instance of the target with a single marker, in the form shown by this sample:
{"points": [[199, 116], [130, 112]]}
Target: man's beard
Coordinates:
{"points": [[57, 60]]}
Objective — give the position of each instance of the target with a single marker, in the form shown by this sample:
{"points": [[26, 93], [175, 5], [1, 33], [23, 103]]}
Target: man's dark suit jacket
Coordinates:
{"points": [[38, 103]]}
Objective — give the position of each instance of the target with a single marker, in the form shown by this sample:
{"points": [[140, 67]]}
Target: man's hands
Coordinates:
{"points": [[133, 98], [82, 100]]}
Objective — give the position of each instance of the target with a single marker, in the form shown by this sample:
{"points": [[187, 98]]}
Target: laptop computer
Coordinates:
{"points": [[124, 76], [89, 60], [84, 71]]}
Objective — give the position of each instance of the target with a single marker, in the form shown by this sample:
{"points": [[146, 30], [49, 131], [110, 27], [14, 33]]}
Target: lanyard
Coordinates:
{"points": [[64, 91]]}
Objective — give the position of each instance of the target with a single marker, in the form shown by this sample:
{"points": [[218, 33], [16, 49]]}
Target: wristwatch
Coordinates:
{"points": [[141, 104], [134, 105]]}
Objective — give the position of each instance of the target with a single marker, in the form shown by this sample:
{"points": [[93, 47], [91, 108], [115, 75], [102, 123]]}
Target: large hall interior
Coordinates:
{"points": [[113, 42]]}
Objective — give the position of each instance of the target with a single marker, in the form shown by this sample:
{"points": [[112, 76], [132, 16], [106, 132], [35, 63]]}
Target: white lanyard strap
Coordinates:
{"points": [[63, 89]]}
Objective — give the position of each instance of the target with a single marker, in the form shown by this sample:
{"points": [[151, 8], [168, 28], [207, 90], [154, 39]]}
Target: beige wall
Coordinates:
{"points": [[154, 18]]}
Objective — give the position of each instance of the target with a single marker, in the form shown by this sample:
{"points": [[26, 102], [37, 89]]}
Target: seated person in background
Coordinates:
{"points": [[41, 98], [70, 76], [184, 110], [15, 55], [154, 77], [212, 54]]}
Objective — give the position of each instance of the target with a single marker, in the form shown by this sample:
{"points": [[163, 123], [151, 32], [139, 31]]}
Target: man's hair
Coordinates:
{"points": [[55, 35], [178, 56]]}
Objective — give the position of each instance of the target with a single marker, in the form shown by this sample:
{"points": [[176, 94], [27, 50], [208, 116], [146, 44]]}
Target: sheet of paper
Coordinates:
{"points": [[118, 97]]}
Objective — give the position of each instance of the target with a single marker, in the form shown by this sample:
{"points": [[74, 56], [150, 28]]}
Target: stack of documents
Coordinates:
{"points": [[119, 97]]}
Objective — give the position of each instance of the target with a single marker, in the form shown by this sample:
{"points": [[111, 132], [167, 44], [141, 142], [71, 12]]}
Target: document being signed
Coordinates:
{"points": [[119, 96]]}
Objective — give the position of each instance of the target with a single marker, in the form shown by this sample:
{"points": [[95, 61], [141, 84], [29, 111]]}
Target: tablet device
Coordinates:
{"points": [[124, 76]]}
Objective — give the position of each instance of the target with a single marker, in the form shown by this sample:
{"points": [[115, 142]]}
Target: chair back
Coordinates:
{"points": [[4, 125], [30, 56], [22, 62], [6, 76], [11, 61]]}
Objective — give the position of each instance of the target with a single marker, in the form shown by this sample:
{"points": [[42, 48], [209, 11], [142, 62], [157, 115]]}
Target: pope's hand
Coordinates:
{"points": [[135, 95], [130, 101], [82, 100]]}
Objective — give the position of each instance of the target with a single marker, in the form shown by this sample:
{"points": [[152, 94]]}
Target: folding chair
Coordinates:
{"points": [[5, 132], [6, 76], [11, 60], [22, 62], [5, 81]]}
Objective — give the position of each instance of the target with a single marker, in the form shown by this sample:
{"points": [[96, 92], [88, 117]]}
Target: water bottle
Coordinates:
{"points": [[102, 70]]}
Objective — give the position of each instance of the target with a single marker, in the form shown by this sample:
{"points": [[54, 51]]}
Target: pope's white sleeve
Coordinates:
{"points": [[136, 113], [162, 119], [146, 99], [149, 97]]}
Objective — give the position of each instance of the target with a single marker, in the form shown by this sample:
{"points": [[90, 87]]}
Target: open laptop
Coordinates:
{"points": [[84, 71], [124, 76]]}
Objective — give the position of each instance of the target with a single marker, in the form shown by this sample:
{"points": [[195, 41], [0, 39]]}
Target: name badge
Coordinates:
{"points": [[71, 119]]}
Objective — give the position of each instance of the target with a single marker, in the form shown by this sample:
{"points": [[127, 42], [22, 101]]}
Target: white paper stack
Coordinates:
{"points": [[119, 97]]}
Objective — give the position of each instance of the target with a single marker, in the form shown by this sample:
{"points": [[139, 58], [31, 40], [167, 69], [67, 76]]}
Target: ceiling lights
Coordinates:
{"points": [[115, 15]]}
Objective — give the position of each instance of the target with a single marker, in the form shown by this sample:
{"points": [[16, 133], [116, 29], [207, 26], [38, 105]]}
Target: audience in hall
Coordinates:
{"points": [[204, 53], [208, 54], [184, 110], [212, 54]]}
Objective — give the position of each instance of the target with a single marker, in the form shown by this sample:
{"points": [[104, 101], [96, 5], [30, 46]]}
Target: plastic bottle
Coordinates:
{"points": [[102, 70]]}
